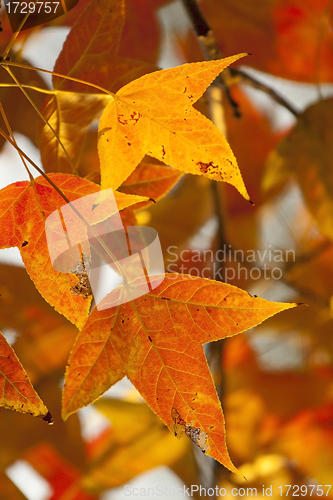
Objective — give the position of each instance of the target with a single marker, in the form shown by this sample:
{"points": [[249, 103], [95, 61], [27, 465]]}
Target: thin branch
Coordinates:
{"points": [[15, 35], [40, 114], [212, 52], [210, 47], [65, 77], [64, 197], [31, 87], [244, 77]]}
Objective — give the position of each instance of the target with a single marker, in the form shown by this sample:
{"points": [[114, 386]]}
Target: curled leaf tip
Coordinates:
{"points": [[48, 418]]}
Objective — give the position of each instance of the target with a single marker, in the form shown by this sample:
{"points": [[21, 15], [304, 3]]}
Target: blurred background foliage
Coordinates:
{"points": [[275, 382]]}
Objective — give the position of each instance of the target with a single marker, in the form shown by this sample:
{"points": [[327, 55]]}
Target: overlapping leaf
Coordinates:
{"points": [[154, 115], [138, 441], [141, 17], [44, 338], [70, 115], [63, 477], [151, 180], [308, 152], [156, 340], [16, 390], [313, 427], [23, 210], [180, 215], [90, 50], [89, 54], [20, 433], [16, 105], [268, 29]]}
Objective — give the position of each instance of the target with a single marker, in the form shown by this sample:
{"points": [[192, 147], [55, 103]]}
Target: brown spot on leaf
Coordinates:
{"points": [[135, 117], [205, 166], [82, 287], [24, 243], [198, 436], [122, 120]]}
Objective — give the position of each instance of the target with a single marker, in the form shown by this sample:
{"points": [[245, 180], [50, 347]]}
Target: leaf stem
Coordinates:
{"points": [[26, 95], [32, 87], [77, 80], [253, 82], [15, 35]]}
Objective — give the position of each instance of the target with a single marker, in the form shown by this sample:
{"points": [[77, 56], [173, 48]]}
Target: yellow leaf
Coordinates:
{"points": [[154, 115]]}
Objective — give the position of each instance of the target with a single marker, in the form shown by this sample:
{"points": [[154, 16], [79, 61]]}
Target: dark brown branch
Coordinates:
{"points": [[253, 82], [210, 47]]}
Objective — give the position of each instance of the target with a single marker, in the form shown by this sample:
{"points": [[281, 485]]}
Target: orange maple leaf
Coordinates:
{"points": [[24, 208], [16, 390], [156, 340]]}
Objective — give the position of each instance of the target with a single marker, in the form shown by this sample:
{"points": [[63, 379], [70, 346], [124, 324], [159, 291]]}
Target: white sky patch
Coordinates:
{"points": [[28, 481]]}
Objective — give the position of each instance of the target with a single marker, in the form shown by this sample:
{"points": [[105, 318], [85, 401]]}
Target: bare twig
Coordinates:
{"points": [[212, 52], [243, 77], [210, 47]]}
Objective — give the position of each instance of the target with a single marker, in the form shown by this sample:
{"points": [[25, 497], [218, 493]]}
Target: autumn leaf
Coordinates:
{"points": [[154, 115], [141, 16], [63, 477], [156, 340], [90, 50], [16, 104], [24, 208], [306, 152], [19, 433], [70, 115], [89, 54], [180, 215], [17, 392], [269, 29], [44, 338], [312, 427], [151, 180], [138, 441]]}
